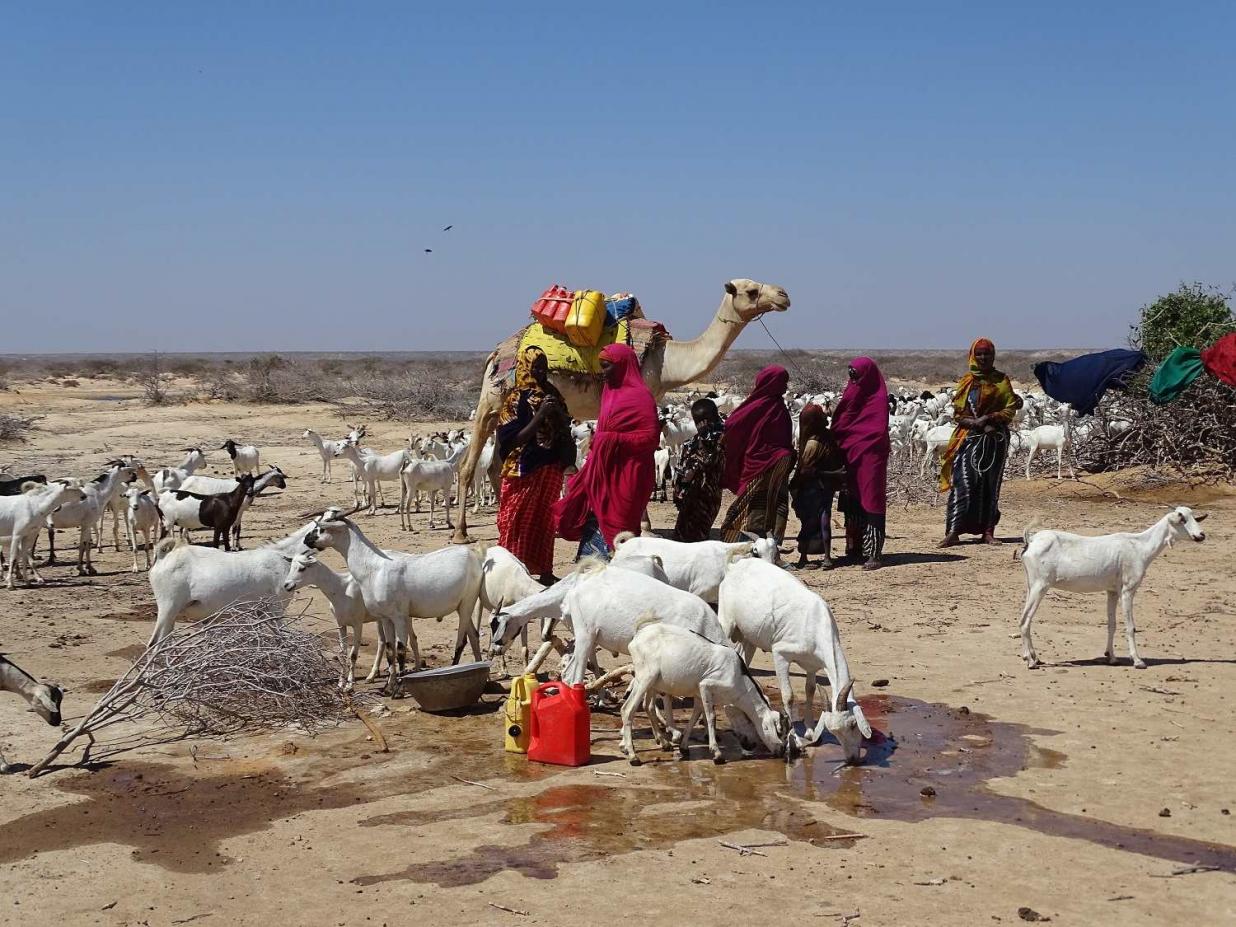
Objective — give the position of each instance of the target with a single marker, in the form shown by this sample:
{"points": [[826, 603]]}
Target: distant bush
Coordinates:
{"points": [[154, 381], [1193, 316], [15, 427]]}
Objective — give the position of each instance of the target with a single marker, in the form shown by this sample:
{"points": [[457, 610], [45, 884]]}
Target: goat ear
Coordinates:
{"points": [[1201, 517], [864, 726]]}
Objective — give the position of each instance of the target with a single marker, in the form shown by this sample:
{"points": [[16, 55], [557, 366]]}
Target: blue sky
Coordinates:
{"points": [[267, 175]]}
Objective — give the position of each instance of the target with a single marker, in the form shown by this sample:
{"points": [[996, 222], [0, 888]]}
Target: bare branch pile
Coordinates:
{"points": [[246, 668], [1194, 435]]}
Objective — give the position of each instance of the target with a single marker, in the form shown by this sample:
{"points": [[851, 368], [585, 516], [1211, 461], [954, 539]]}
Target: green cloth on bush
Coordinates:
{"points": [[1178, 370]]}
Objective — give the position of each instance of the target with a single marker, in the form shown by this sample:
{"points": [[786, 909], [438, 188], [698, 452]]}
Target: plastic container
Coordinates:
{"points": [[586, 318], [552, 309], [517, 715], [560, 725], [619, 306]]}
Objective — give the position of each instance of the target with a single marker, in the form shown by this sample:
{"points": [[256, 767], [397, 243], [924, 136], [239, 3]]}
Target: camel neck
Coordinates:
{"points": [[688, 361]]}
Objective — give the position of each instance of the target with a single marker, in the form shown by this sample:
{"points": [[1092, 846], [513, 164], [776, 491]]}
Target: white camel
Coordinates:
{"points": [[667, 366]]}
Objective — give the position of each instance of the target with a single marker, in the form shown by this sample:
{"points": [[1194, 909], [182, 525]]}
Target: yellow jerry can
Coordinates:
{"points": [[586, 318], [518, 713]]}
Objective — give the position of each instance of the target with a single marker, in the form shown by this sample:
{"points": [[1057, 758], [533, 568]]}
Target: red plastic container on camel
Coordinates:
{"points": [[560, 725], [552, 309]]}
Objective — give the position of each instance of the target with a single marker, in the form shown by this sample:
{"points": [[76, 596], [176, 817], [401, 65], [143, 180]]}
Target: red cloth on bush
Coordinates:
{"points": [[1220, 359]]}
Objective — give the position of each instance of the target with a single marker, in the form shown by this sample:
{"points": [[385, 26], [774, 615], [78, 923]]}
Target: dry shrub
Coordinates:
{"points": [[1195, 435], [15, 427], [431, 391]]}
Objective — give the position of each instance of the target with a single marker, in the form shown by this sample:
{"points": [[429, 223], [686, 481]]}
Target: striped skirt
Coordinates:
{"points": [[764, 506], [978, 474]]}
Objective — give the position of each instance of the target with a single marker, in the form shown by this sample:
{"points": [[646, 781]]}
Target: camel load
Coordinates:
{"points": [[573, 327]]}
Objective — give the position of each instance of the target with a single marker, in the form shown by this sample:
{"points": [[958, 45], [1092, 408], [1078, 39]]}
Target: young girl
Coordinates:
{"points": [[697, 486], [820, 473]]}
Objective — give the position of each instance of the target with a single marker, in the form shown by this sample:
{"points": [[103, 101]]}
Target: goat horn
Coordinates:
{"points": [[311, 514], [843, 697]]}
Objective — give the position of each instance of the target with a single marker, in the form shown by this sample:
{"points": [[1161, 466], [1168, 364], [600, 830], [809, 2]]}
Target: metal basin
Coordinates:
{"points": [[447, 687]]}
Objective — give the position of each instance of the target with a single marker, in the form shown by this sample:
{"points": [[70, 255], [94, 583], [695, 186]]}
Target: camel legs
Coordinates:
{"points": [[483, 426]]}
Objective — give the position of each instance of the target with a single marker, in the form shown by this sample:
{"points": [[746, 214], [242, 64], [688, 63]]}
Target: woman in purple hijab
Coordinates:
{"points": [[860, 425]]}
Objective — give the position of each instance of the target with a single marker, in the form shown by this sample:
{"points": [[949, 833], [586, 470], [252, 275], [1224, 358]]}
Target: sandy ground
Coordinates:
{"points": [[1075, 790]]}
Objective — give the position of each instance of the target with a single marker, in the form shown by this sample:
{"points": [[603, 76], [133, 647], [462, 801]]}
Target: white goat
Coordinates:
{"points": [[936, 438], [673, 661], [172, 477], [22, 516], [604, 603], [42, 697], [245, 457], [328, 450], [117, 506], [142, 516], [505, 580], [398, 586], [696, 567], [1111, 563], [85, 515], [763, 606], [374, 469], [431, 477], [194, 582], [484, 492], [347, 604]]}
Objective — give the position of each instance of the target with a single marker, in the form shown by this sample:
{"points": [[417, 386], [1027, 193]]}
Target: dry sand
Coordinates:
{"points": [[1050, 785]]}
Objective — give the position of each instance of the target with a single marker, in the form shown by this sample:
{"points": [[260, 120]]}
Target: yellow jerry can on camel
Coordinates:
{"points": [[586, 318]]}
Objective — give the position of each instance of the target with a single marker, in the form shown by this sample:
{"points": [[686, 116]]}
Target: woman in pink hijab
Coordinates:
{"points": [[860, 425], [610, 494], [759, 455]]}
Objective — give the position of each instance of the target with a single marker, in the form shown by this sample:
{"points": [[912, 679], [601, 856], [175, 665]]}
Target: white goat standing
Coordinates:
{"points": [[85, 515], [172, 477], [674, 661], [763, 606], [23, 515], [431, 477], [374, 469], [936, 438], [328, 450], [1111, 563], [245, 457], [142, 516], [696, 567], [347, 604]]}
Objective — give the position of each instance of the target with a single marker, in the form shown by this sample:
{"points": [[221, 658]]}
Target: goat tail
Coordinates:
{"points": [[622, 538], [164, 547]]}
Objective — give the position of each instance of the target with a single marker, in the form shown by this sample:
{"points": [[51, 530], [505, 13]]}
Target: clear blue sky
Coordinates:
{"points": [[266, 175]]}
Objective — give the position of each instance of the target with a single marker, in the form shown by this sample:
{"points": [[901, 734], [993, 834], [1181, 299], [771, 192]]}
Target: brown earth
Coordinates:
{"points": [[993, 789]]}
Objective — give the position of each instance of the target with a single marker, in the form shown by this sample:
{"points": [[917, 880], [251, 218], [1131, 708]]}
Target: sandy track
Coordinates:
{"points": [[1048, 789]]}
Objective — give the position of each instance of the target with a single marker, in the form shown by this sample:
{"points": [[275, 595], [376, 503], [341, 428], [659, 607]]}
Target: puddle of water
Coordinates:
{"points": [[177, 819], [917, 746]]}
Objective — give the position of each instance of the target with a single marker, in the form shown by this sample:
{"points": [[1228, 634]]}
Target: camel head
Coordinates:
{"points": [[751, 299]]}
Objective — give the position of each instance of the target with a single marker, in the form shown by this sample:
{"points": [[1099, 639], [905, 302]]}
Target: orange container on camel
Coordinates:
{"points": [[560, 729], [552, 309]]}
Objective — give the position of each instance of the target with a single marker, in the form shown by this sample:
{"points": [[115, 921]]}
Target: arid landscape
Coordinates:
{"points": [[1079, 792]]}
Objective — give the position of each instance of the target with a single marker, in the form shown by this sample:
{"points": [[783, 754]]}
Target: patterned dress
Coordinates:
{"points": [[697, 485]]}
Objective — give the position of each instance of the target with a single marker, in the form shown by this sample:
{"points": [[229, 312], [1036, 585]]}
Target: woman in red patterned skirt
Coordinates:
{"points": [[534, 443]]}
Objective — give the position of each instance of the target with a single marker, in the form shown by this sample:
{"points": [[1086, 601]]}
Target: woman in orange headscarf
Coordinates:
{"points": [[534, 444], [972, 469]]}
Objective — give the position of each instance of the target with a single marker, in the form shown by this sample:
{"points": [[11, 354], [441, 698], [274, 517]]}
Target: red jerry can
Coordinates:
{"points": [[560, 725]]}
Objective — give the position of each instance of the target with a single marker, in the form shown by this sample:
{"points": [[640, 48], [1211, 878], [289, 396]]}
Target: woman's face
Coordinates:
{"points": [[985, 357], [540, 368], [853, 374], [609, 372]]}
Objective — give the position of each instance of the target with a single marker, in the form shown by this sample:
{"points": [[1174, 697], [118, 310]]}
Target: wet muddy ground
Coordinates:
{"points": [[1086, 793]]}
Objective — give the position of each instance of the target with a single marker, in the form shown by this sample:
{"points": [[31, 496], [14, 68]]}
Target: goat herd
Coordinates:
{"points": [[676, 609]]}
